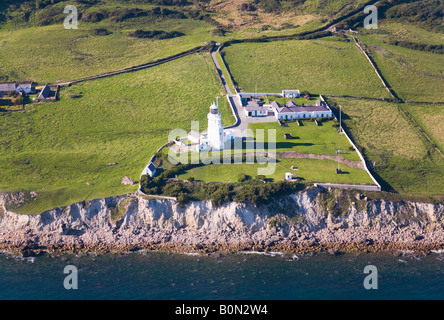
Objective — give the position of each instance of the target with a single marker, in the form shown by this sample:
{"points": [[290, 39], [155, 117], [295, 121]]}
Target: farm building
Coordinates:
{"points": [[17, 88], [46, 94], [292, 111], [255, 108], [291, 94], [150, 170]]}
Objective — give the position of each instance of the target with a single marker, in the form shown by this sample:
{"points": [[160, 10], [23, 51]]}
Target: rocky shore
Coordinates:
{"points": [[309, 221]]}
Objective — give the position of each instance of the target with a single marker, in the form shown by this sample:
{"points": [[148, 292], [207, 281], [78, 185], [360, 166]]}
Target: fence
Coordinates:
{"points": [[359, 152]]}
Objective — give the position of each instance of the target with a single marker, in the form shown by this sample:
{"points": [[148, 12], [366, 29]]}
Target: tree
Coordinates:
{"points": [[242, 177], [18, 100]]}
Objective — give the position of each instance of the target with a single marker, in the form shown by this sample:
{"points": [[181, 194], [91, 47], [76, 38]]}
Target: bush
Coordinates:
{"points": [[270, 6], [100, 32], [18, 100], [247, 7], [242, 177], [155, 34], [182, 199], [93, 17]]}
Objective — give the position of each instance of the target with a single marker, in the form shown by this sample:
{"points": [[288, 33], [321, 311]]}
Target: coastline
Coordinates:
{"points": [[301, 223]]}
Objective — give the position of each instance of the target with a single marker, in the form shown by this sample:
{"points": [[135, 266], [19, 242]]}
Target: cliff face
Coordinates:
{"points": [[304, 221]]}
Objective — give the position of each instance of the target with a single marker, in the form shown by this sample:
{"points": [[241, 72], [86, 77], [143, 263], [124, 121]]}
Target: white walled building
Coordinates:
{"points": [[292, 111], [291, 94], [216, 136], [215, 129]]}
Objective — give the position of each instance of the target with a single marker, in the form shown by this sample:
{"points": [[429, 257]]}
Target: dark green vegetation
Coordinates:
{"points": [[155, 34], [426, 14], [401, 141], [433, 48], [246, 190]]}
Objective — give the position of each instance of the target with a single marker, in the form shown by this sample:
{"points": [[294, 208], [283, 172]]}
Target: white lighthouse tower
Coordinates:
{"points": [[215, 129]]}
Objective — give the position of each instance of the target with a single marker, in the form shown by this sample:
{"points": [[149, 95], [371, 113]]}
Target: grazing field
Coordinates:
{"points": [[414, 75], [401, 156], [52, 54], [431, 119], [82, 146], [35, 46], [321, 66], [308, 170]]}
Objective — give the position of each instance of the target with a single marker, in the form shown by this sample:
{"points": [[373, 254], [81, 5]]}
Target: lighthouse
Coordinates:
{"points": [[215, 129]]}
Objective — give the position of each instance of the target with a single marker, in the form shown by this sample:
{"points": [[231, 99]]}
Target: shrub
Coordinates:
{"points": [[93, 17], [155, 34], [100, 32], [242, 177]]}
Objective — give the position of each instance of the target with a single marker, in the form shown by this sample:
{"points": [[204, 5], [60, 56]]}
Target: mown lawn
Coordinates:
{"points": [[310, 171], [403, 159], [308, 138], [321, 66], [63, 150]]}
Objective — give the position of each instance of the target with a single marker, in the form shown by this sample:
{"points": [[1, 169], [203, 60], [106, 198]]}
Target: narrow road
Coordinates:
{"points": [[219, 70], [242, 120]]}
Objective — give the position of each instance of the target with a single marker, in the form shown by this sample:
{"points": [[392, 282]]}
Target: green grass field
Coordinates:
{"points": [[401, 156], [309, 170], [62, 150], [225, 72], [322, 66], [52, 54], [309, 138], [431, 119], [48, 54], [414, 75]]}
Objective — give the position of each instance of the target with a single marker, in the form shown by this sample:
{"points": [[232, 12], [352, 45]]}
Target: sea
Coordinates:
{"points": [[242, 276]]}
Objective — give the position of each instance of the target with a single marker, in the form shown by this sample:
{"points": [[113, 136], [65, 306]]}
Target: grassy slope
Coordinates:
{"points": [[431, 120], [414, 75], [323, 66], [122, 119], [51, 53], [402, 157]]}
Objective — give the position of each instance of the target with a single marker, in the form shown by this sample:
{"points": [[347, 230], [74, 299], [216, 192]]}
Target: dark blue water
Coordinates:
{"points": [[239, 276]]}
